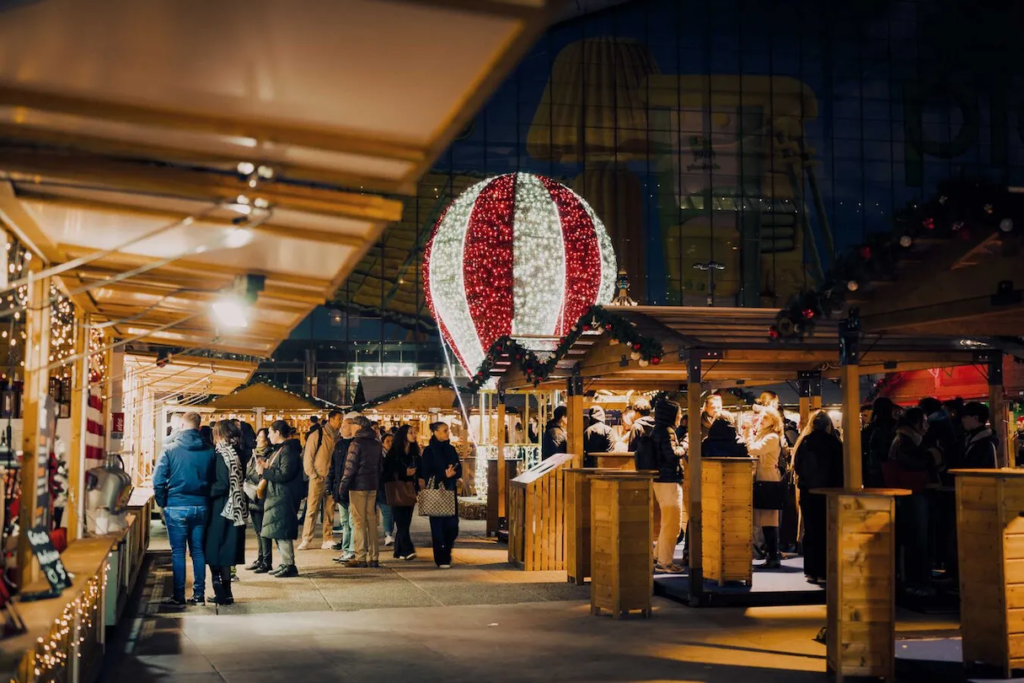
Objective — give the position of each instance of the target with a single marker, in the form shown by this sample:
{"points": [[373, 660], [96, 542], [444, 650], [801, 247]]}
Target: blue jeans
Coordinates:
{"points": [[389, 519], [345, 526], [187, 525]]}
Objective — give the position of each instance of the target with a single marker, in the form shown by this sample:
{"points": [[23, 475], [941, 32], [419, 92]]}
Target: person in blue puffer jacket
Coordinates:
{"points": [[181, 486]]}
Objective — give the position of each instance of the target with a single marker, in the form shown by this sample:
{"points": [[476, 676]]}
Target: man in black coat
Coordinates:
{"points": [[359, 483], [980, 442], [643, 424], [338, 458], [555, 438], [597, 438]]}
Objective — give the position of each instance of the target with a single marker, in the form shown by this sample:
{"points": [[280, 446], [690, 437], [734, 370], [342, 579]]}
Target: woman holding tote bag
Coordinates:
{"points": [[441, 469], [402, 465]]}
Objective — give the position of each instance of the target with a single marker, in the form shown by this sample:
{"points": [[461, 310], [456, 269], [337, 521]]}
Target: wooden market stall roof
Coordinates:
{"points": [[261, 394], [419, 396], [745, 353], [167, 148]]}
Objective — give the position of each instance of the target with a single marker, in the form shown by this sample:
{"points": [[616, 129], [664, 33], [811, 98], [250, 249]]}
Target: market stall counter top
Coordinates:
{"points": [[86, 559]]}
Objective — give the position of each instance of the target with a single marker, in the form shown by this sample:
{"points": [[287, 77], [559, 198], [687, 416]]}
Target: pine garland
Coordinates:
{"points": [[643, 349], [959, 210]]}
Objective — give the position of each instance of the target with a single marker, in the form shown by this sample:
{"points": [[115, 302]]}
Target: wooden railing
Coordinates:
{"points": [[536, 515]]}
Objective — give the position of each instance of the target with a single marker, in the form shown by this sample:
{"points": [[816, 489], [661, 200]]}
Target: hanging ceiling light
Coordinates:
{"points": [[231, 309]]}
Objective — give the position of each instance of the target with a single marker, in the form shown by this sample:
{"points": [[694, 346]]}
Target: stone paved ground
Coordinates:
{"points": [[480, 621]]}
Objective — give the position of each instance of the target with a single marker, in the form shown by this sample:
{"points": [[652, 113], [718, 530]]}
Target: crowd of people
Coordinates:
{"points": [[910, 449], [213, 482]]}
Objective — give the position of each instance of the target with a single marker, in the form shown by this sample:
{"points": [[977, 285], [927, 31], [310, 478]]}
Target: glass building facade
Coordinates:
{"points": [[733, 147]]}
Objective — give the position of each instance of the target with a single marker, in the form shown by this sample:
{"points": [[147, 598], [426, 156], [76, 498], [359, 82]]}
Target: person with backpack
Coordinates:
{"points": [[316, 464], [667, 454]]}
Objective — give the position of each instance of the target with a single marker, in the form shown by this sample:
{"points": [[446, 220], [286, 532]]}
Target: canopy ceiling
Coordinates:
{"points": [[190, 374], [119, 118]]}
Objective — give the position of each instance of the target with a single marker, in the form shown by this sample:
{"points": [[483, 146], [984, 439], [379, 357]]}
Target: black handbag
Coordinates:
{"points": [[770, 495]]}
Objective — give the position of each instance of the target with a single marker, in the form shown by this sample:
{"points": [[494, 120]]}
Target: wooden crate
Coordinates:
{"points": [[536, 515], [861, 591], [622, 548], [990, 534], [577, 518], [728, 496]]}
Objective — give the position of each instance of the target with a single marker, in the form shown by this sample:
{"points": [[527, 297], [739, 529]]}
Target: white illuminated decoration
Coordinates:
{"points": [[515, 255], [538, 258]]}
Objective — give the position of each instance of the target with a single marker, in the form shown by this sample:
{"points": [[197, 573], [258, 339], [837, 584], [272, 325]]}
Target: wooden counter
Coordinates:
{"points": [[614, 461], [861, 586], [20, 656], [990, 535], [727, 490], [536, 515]]}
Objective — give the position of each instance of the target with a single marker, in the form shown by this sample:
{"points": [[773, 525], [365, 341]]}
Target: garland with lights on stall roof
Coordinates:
{"points": [[961, 209], [643, 349]]}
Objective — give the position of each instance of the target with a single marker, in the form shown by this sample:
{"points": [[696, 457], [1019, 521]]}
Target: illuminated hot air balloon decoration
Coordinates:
{"points": [[516, 255]]}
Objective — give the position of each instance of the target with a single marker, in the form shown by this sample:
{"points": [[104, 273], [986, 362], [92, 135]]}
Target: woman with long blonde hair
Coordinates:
{"points": [[769, 490]]}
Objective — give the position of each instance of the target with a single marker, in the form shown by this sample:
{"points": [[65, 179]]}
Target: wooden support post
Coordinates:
{"points": [[814, 389], [693, 475], [501, 464], [79, 410], [574, 402], [36, 389], [999, 408], [849, 359]]}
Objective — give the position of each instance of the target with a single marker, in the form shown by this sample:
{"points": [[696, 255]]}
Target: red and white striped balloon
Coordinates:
{"points": [[518, 255]]}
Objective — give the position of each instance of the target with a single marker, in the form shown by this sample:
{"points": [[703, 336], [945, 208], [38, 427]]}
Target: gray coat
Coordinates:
{"points": [[284, 493]]}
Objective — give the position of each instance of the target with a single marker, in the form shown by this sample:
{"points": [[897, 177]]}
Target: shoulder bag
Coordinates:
{"points": [[436, 502], [400, 493]]}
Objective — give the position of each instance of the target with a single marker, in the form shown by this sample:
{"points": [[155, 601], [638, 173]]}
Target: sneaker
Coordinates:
{"points": [[444, 566], [374, 564], [672, 569], [197, 599], [303, 546], [288, 572], [280, 568], [356, 564], [328, 545], [389, 540], [410, 556], [263, 568], [340, 545], [345, 557], [173, 602]]}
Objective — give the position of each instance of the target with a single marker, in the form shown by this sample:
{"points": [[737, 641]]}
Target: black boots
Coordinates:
{"points": [[222, 586], [773, 559]]}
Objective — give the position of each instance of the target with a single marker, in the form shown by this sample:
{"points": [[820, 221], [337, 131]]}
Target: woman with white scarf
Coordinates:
{"points": [[229, 511]]}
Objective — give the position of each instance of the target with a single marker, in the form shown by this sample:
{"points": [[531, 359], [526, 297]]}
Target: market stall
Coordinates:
{"points": [[696, 350]]}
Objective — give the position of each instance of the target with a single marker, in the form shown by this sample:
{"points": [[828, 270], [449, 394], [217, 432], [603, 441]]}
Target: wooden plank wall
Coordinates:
{"points": [[991, 562], [861, 586], [537, 520]]}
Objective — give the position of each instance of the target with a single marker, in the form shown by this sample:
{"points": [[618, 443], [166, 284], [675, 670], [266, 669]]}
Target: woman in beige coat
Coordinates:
{"points": [[766, 446]]}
